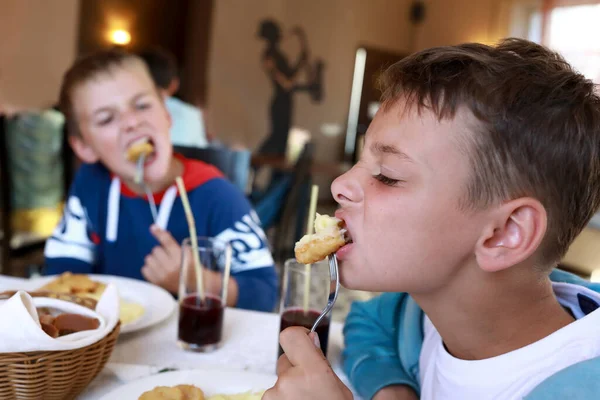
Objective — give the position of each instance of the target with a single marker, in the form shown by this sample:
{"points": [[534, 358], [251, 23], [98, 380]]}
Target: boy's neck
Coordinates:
{"points": [[481, 315], [175, 170]]}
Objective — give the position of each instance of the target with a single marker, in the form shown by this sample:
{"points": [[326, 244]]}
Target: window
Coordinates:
{"points": [[574, 32]]}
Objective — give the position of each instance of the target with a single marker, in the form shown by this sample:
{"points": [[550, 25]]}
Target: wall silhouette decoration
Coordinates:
{"points": [[285, 78]]}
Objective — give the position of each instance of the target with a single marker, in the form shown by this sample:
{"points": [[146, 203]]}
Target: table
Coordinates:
{"points": [[249, 344]]}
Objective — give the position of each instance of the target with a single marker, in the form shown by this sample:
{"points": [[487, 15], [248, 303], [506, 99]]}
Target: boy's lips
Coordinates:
{"points": [[343, 251], [150, 159]]}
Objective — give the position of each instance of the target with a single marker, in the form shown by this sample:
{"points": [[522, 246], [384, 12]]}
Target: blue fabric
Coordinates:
{"points": [[383, 339], [270, 204], [384, 336], [577, 382], [80, 243]]}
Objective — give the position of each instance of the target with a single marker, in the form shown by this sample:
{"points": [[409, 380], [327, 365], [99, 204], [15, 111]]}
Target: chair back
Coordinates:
{"points": [[234, 164], [292, 224]]}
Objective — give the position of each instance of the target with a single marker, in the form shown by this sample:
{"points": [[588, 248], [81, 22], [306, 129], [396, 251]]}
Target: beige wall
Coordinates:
{"points": [[38, 44], [456, 21], [239, 91]]}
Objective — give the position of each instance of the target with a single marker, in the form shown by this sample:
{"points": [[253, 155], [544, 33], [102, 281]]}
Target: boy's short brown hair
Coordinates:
{"points": [[84, 69], [537, 132]]}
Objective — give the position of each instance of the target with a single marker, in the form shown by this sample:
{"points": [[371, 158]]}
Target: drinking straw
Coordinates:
{"points": [[314, 194], [193, 238]]}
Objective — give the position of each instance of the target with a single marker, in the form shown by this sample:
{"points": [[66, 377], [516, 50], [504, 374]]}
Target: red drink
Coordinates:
{"points": [[297, 317], [200, 323]]}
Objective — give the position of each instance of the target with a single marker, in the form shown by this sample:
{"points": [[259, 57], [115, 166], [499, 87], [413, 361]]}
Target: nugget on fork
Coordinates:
{"points": [[329, 236]]}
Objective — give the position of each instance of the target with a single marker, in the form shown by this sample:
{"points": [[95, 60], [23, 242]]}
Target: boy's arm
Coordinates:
{"points": [[72, 246], [233, 220], [372, 355]]}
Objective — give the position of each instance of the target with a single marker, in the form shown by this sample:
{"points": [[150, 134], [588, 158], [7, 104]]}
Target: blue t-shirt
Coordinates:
{"points": [[105, 229]]}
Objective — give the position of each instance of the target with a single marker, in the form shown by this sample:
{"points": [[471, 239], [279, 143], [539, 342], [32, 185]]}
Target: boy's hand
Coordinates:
{"points": [[163, 264], [303, 370]]}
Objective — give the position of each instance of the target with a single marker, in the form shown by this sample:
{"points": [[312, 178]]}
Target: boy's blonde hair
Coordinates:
{"points": [[87, 68]]}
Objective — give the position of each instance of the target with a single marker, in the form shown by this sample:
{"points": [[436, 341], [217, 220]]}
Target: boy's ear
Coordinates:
{"points": [[514, 233], [84, 151]]}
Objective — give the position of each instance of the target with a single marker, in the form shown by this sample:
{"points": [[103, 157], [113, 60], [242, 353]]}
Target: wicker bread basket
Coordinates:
{"points": [[54, 375]]}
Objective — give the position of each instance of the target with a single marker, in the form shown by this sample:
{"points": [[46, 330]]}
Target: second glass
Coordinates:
{"points": [[201, 322], [301, 305]]}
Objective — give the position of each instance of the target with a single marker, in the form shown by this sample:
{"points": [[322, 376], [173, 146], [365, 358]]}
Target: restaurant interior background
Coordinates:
{"points": [[217, 45]]}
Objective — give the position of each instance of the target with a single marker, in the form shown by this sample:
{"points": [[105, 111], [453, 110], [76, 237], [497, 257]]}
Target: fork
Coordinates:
{"points": [[139, 179], [334, 288]]}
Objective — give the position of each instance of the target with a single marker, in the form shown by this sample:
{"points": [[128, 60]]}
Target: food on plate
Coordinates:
{"points": [[82, 285], [179, 392], [329, 236], [191, 392], [77, 284], [130, 312], [139, 147]]}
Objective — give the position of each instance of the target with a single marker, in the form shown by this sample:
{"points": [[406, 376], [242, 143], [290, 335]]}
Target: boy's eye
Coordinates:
{"points": [[105, 121], [143, 106], [386, 180]]}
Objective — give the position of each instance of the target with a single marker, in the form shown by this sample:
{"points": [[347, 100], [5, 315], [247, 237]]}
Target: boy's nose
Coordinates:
{"points": [[130, 121], [346, 189]]}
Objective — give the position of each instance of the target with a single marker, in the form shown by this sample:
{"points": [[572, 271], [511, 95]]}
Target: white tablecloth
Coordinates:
{"points": [[250, 343]]}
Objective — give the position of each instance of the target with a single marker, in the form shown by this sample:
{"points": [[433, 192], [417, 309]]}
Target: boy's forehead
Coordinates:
{"points": [[131, 71], [419, 132], [126, 79]]}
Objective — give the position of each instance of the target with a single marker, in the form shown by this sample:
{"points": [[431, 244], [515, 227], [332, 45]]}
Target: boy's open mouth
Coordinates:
{"points": [[143, 146], [346, 233]]}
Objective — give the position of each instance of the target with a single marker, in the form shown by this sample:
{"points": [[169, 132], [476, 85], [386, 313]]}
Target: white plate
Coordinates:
{"points": [[211, 382], [157, 302]]}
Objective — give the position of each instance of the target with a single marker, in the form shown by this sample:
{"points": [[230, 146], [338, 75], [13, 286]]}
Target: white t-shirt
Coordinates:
{"points": [[513, 375], [187, 127]]}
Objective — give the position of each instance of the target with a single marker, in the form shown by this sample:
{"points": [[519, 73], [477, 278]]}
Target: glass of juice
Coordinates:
{"points": [[201, 320], [304, 296]]}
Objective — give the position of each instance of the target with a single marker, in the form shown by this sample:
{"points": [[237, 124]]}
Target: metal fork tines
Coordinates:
{"points": [[334, 288], [139, 179], [153, 208], [139, 169]]}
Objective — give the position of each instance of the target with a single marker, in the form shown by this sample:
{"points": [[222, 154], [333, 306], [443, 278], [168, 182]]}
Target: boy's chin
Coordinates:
{"points": [[157, 174], [349, 277]]}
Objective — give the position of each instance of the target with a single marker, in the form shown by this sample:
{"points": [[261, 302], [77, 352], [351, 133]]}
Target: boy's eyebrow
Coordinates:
{"points": [[380, 148], [141, 94], [102, 109], [109, 108]]}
